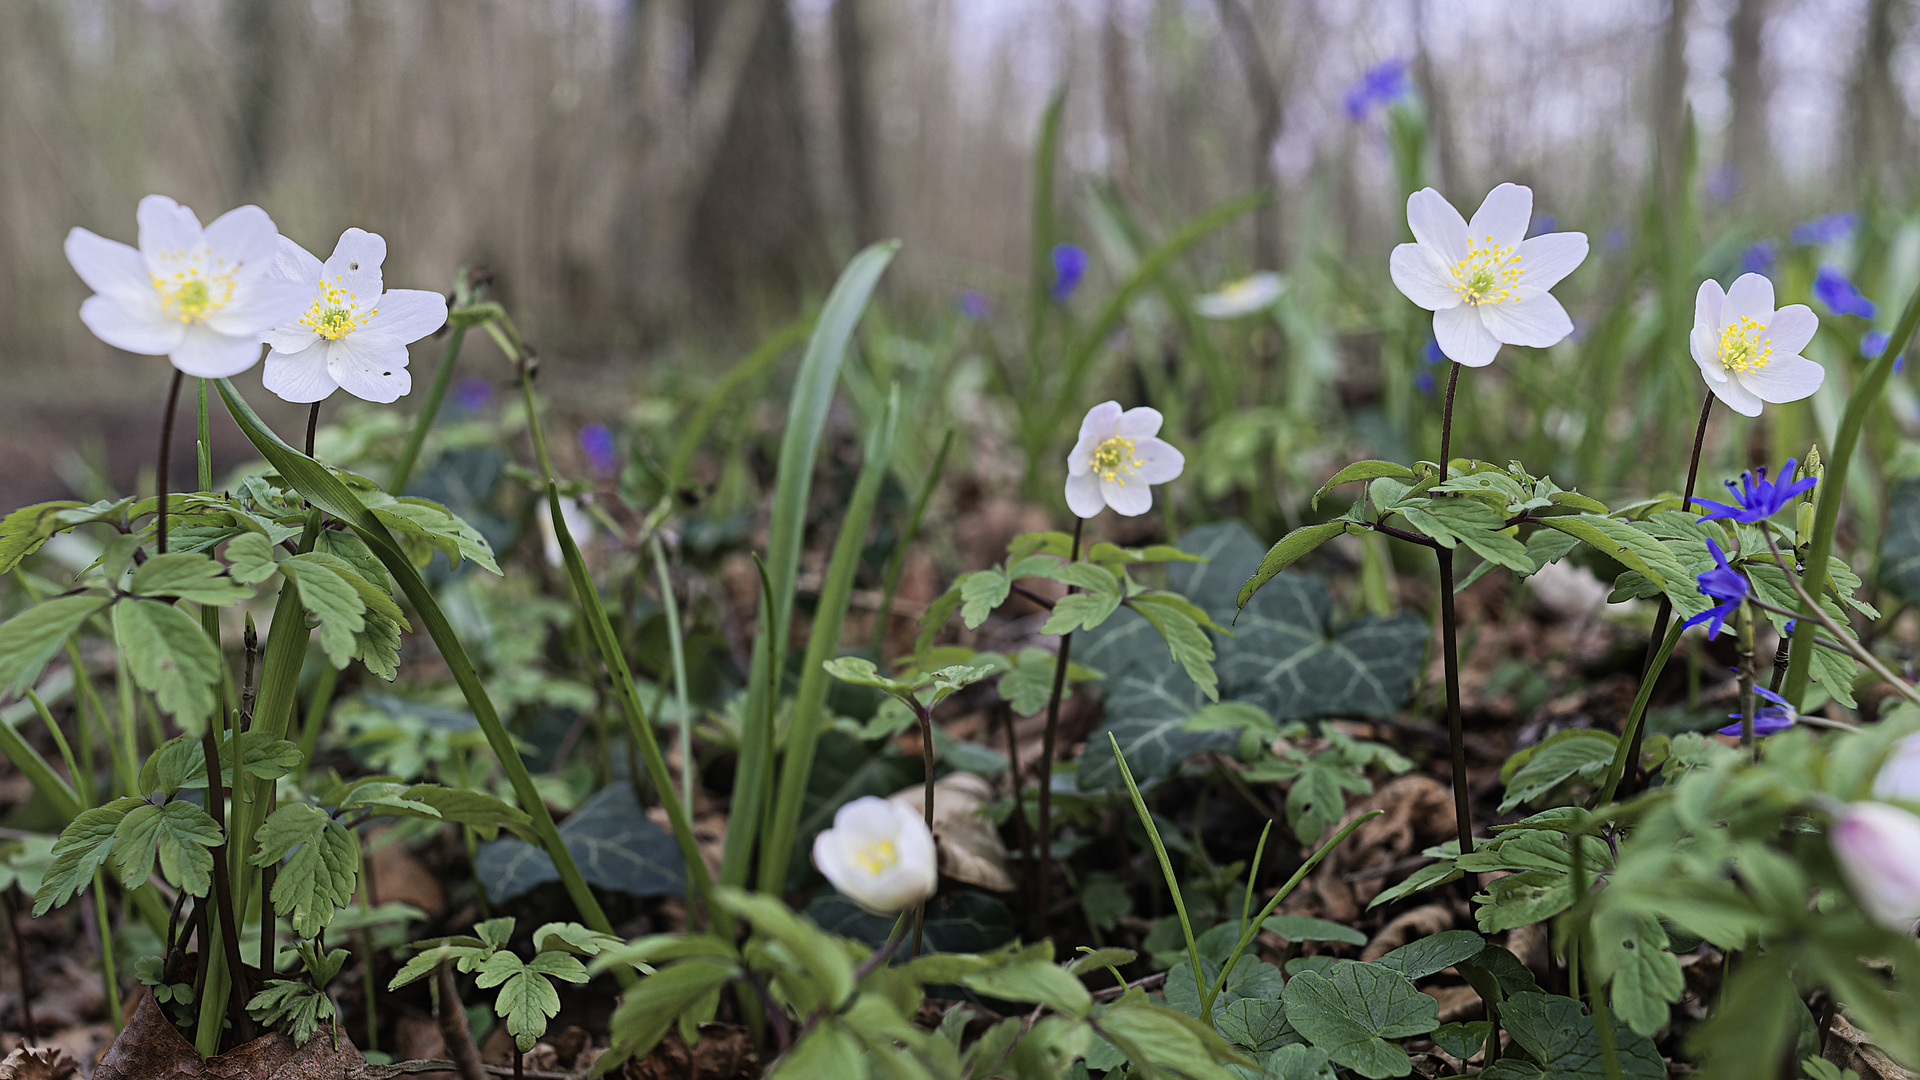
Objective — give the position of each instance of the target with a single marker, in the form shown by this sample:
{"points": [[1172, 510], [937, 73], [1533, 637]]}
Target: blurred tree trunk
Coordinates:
{"points": [[853, 62], [1439, 120], [1877, 136], [255, 62], [1672, 118], [1747, 144], [1263, 90], [1116, 104]]}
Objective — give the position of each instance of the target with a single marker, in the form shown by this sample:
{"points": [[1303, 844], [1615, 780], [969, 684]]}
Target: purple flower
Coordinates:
{"points": [[1722, 583], [1758, 258], [1424, 382], [1432, 353], [1872, 344], [1069, 266], [1824, 230], [597, 441], [1757, 498], [472, 394], [1541, 223], [1382, 84], [1767, 719], [1832, 288], [1724, 183], [1616, 238], [974, 305]]}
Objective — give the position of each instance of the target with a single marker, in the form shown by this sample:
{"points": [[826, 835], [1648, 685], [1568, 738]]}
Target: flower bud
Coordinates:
{"points": [[1899, 778], [1878, 847], [879, 854], [1803, 525]]}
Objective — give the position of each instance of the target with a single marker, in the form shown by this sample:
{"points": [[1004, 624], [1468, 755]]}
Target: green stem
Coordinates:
{"points": [[429, 408], [108, 977], [1636, 716], [883, 618], [318, 702], [164, 467], [1043, 864], [1744, 631], [40, 774], [1450, 647], [60, 740], [677, 650], [203, 440]]}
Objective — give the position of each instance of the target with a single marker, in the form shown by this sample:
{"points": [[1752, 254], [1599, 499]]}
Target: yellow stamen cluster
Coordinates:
{"points": [[190, 294], [1744, 346], [876, 856], [1489, 273], [336, 313], [1114, 460]]}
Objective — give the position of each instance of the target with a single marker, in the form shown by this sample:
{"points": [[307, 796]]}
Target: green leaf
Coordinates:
{"points": [[829, 972], [298, 1008], [1523, 899], [1628, 546], [179, 833], [1630, 948], [1482, 529], [1305, 928], [478, 810], [1496, 974], [29, 639], [1436, 952], [828, 1050], [1096, 959], [1291, 549], [527, 999], [178, 763], [1363, 470], [171, 658], [1899, 570], [1353, 1014], [1036, 978], [1315, 802], [261, 756], [1164, 1038], [188, 576], [253, 558], [1256, 1024], [861, 672], [1188, 644], [980, 592], [1564, 1044], [329, 597], [1298, 1062], [23, 531], [83, 847], [1439, 872], [1078, 611], [610, 838], [573, 938], [1585, 755], [647, 1011], [1463, 1040], [322, 865]]}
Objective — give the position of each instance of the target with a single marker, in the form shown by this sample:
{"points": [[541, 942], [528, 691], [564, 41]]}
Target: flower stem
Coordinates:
{"points": [[678, 651], [926, 754], [1841, 638], [1747, 697], [165, 463], [1043, 862], [313, 424], [1450, 646]]}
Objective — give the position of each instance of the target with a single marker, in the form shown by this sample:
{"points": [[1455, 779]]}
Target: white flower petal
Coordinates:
{"points": [[1437, 226], [1750, 298], [1129, 499], [404, 316], [1704, 344], [1421, 279], [1463, 337], [108, 266], [1709, 307], [1545, 260], [906, 874], [1094, 430], [1785, 378], [370, 372], [136, 324], [1532, 319], [1737, 397], [244, 236], [1256, 292], [355, 265], [259, 304], [1875, 844], [1792, 328], [1899, 778], [1083, 495], [1159, 462], [1504, 216], [166, 228], [1139, 422], [300, 376], [208, 354], [290, 338], [295, 263]]}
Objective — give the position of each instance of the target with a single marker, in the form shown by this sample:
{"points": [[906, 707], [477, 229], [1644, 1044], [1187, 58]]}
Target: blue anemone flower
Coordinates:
{"points": [[1758, 258], [1432, 354], [1824, 230], [1757, 498], [472, 394], [1832, 288], [1069, 266], [1722, 583], [597, 441], [1382, 84], [974, 305], [1767, 719], [1423, 382]]}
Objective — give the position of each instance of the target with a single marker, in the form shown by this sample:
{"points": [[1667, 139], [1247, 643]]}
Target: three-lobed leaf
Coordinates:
{"points": [[178, 834], [1356, 1011], [321, 869], [29, 639], [172, 658]]}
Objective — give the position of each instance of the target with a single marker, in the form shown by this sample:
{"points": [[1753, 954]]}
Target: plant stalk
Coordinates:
{"points": [[678, 651], [1043, 861], [1450, 647], [926, 756], [165, 464]]}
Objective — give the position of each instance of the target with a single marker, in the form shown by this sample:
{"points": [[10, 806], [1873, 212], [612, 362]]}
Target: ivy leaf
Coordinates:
{"points": [[298, 1008], [611, 838], [322, 865], [1353, 1013], [29, 639], [1564, 1044], [252, 558], [171, 658], [188, 576], [83, 847], [179, 833]]}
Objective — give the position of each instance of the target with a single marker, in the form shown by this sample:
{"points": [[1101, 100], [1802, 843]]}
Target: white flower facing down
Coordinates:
{"points": [[1255, 292], [1899, 778], [1878, 847], [1486, 281], [352, 335], [579, 527], [1749, 352], [199, 296], [1116, 459], [879, 854]]}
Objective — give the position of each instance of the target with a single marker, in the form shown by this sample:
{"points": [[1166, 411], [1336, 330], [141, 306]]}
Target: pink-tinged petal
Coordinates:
{"points": [[1421, 279], [1129, 499], [261, 303], [1709, 307], [1874, 844], [1504, 216], [299, 377], [1784, 379], [208, 354], [404, 316], [1750, 298], [1463, 337], [1546, 260], [1737, 397], [1536, 321], [244, 236], [1437, 226], [371, 373], [1704, 344], [1899, 778], [295, 263], [1792, 328], [1083, 495], [108, 266], [1159, 462], [291, 338], [166, 229], [355, 265], [1139, 422], [137, 324]]}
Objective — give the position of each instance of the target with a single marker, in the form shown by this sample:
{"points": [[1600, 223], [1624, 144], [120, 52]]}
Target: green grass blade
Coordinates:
{"points": [[38, 772], [726, 394], [1046, 159], [898, 560], [1173, 883], [429, 408], [809, 710], [806, 419]]}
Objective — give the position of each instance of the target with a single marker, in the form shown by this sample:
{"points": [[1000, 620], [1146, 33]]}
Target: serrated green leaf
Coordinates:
{"points": [[261, 756], [1355, 1010], [171, 658], [478, 810], [1188, 644], [188, 576], [1522, 899], [1290, 549], [1316, 802], [83, 847], [527, 999], [178, 763], [1551, 765], [294, 1006], [332, 599], [1162, 1037], [1080, 611], [1363, 470], [178, 833], [1435, 952], [1628, 546], [321, 868], [648, 1010], [252, 558], [1036, 979], [29, 639], [1439, 872], [573, 938], [23, 531], [981, 592], [1564, 1045], [861, 672], [1630, 948]]}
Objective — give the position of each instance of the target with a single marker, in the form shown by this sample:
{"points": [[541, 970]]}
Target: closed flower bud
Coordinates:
{"points": [[1878, 847], [879, 854], [1899, 778]]}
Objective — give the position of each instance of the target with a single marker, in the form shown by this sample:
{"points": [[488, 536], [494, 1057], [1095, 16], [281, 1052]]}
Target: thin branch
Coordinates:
{"points": [[1907, 689]]}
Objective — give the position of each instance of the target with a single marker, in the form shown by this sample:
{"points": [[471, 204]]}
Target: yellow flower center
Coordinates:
{"points": [[190, 294], [1114, 460], [335, 312], [876, 856], [1744, 346], [1489, 273]]}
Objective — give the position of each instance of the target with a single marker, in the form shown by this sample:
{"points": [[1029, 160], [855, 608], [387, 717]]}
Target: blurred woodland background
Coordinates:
{"points": [[652, 181]]}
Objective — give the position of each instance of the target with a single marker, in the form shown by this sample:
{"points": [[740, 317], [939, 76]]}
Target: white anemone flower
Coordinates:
{"points": [[579, 526], [1750, 353], [201, 297], [1875, 845], [1486, 281], [1116, 459], [1899, 778], [879, 854], [1255, 292], [353, 334]]}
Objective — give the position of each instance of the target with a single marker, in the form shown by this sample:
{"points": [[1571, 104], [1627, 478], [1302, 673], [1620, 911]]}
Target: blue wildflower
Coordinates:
{"points": [[1767, 719], [597, 441], [1757, 498], [1423, 382], [1872, 344], [1724, 183], [1824, 230], [1069, 266], [1541, 224], [974, 305], [1382, 84], [1833, 289], [1758, 258], [472, 394], [1432, 354], [1616, 237], [1722, 583]]}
